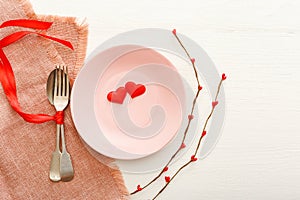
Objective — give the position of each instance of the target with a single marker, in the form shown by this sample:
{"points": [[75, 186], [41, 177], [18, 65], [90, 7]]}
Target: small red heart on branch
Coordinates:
{"points": [[174, 31], [168, 179], [193, 60], [224, 77], [139, 188], [166, 169], [182, 146], [200, 87], [117, 96], [193, 158], [214, 103], [190, 117], [203, 133], [135, 90]]}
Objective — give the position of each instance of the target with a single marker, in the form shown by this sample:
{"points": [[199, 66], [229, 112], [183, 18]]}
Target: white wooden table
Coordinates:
{"points": [[257, 43]]}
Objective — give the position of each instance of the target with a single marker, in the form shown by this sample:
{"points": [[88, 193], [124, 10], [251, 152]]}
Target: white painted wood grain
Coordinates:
{"points": [[257, 43]]}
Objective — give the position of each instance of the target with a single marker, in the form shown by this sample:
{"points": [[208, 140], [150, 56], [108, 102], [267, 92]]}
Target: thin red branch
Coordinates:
{"points": [[196, 151], [189, 121], [193, 158]]}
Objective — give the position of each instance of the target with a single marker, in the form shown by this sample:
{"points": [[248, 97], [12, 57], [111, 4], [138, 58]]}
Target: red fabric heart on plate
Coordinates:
{"points": [[135, 90], [117, 96]]}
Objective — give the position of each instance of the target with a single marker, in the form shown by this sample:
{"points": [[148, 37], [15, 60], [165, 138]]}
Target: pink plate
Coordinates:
{"points": [[139, 126]]}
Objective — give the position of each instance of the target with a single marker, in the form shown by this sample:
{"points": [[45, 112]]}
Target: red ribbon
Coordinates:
{"points": [[7, 77]]}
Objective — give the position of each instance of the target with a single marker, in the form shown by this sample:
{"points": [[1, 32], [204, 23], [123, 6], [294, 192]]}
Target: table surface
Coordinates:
{"points": [[257, 43]]}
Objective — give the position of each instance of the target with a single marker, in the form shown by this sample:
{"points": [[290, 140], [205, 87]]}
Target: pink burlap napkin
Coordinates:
{"points": [[25, 149]]}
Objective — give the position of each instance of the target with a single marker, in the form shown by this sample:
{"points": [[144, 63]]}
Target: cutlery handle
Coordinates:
{"points": [[55, 160], [62, 135], [66, 167]]}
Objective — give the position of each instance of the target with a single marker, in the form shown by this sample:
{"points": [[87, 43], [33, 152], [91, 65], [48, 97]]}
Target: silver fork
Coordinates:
{"points": [[60, 101]]}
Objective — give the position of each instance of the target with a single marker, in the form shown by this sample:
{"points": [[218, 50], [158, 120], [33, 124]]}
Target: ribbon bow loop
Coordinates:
{"points": [[7, 77]]}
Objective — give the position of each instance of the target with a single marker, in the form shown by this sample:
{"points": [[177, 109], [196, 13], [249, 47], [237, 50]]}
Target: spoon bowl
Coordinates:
{"points": [[50, 85]]}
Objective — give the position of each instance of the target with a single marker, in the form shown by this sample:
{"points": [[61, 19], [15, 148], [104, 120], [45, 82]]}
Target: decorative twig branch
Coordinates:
{"points": [[190, 117], [214, 104], [193, 158]]}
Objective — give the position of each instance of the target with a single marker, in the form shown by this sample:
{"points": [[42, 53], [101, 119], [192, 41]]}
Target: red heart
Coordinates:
{"points": [[165, 169], [135, 90], [214, 103], [174, 31], [182, 146], [139, 188], [190, 117], [193, 158], [224, 77], [203, 133], [193, 60], [168, 179], [117, 96], [200, 87]]}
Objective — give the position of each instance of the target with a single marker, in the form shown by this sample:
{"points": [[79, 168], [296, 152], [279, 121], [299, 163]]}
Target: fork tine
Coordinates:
{"points": [[65, 69], [59, 81], [63, 80], [67, 82]]}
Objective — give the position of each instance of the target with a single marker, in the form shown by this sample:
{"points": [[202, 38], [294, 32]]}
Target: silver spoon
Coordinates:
{"points": [[55, 160]]}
